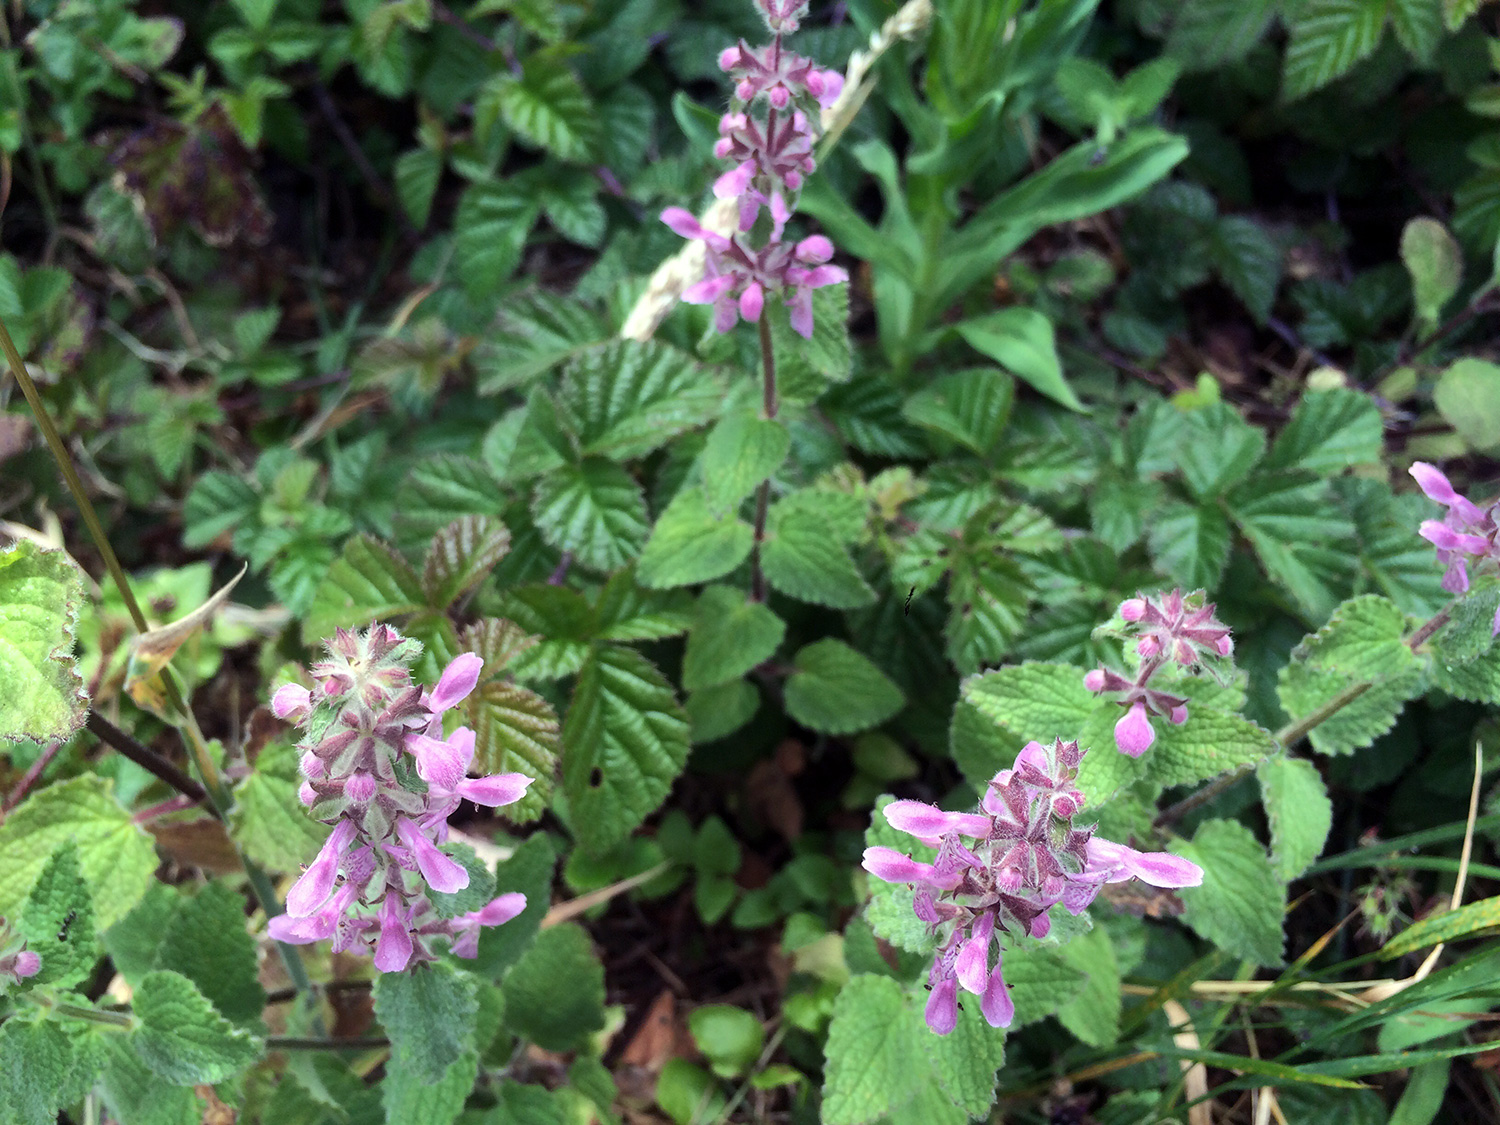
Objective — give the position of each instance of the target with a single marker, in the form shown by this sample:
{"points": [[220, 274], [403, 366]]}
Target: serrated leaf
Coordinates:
{"points": [[1211, 742], [1240, 904], [490, 228], [182, 1038], [429, 1013], [37, 1080], [1022, 341], [690, 544], [58, 922], [971, 407], [595, 510], [1329, 431], [1217, 449], [1400, 565], [987, 598], [135, 1095], [836, 690], [803, 554], [1248, 260], [409, 1096], [1327, 38], [207, 941], [871, 1045], [1477, 680], [1031, 701], [1298, 810], [1190, 543], [369, 581], [805, 368], [1470, 631], [40, 594], [516, 730], [1040, 980], [625, 741], [115, 855], [742, 450], [625, 612], [535, 331], [730, 636], [1299, 535], [268, 823], [1432, 258], [554, 996], [1210, 33], [218, 502], [461, 556], [625, 398], [497, 642], [965, 1061], [548, 106], [562, 619], [417, 173], [717, 712]]}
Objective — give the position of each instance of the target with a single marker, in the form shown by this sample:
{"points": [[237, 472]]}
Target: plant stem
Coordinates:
{"points": [[91, 1015], [143, 756], [1295, 732], [321, 1043], [217, 791], [763, 495]]}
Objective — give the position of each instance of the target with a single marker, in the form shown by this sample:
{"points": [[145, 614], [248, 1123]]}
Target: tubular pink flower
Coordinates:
{"points": [[393, 949], [683, 222], [457, 681], [1178, 715], [440, 871], [942, 1007], [495, 790], [291, 701], [973, 964], [316, 884], [995, 1004], [1133, 733], [927, 822], [1444, 537], [439, 762], [1133, 609], [1435, 483], [893, 867]]}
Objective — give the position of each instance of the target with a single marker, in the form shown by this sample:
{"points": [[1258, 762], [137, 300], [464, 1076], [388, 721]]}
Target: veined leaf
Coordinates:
{"points": [[516, 730], [548, 106], [593, 509], [837, 690], [368, 582], [690, 544], [40, 594], [1327, 38], [626, 398], [461, 556]]}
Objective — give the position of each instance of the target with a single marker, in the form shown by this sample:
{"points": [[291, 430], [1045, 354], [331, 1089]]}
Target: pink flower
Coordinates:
{"points": [[1133, 733]]}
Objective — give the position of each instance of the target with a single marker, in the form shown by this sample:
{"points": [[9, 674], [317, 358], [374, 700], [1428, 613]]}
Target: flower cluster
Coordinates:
{"points": [[768, 136], [1169, 628], [1467, 535], [377, 767], [1002, 869], [16, 961]]}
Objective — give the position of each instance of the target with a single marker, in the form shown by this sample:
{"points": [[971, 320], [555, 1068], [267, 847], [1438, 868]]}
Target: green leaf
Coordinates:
{"points": [[1041, 980], [1022, 341], [461, 556], [1030, 701], [971, 407], [534, 332], [731, 635], [625, 398], [729, 1037], [871, 1047], [889, 911], [40, 1075], [417, 174], [987, 597], [408, 1095], [182, 1038], [690, 544], [1208, 34], [516, 730], [1248, 260], [1217, 449], [1329, 431], [489, 231], [1467, 395], [40, 594], [804, 556], [625, 740], [1469, 633], [548, 106], [742, 450], [1327, 38], [429, 1012], [1298, 534], [58, 922], [528, 871], [1299, 812], [595, 510], [1094, 1014], [1191, 544], [805, 368], [218, 502], [554, 997], [135, 1095], [836, 690], [965, 1061], [1476, 917], [369, 581], [1240, 904], [1433, 260], [1211, 742], [717, 712], [1418, 25], [267, 821], [208, 942], [116, 857], [562, 618]]}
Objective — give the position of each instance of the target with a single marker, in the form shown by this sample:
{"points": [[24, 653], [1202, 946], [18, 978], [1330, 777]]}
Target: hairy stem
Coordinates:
{"points": [[1295, 732], [763, 494], [214, 785]]}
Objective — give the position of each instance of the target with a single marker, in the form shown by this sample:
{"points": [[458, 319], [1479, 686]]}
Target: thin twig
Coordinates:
{"points": [[43, 760], [564, 911], [143, 756]]}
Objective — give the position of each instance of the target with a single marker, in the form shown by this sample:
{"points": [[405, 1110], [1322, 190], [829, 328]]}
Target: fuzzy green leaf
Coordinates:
{"points": [[1217, 449], [1210, 33], [1041, 980], [528, 871], [40, 593], [742, 450], [836, 690], [1211, 742], [1467, 395], [41, 1072], [730, 636], [490, 229], [717, 712], [1022, 341], [889, 911], [182, 1038], [58, 922], [625, 739], [1299, 812], [1433, 259], [1247, 258], [987, 598], [554, 996], [689, 544], [804, 555], [805, 368], [208, 942], [595, 510], [1240, 904], [872, 1044], [1190, 543], [429, 1013], [267, 821], [369, 581], [625, 398], [1094, 1014], [116, 857], [965, 1061], [535, 331]]}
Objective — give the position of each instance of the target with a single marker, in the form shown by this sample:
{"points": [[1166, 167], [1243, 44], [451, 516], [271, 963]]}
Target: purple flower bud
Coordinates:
{"points": [[1178, 715], [291, 701], [1133, 609], [1431, 480], [457, 681], [995, 1004], [1133, 733], [1094, 680], [360, 787], [751, 302], [28, 964], [1147, 646]]}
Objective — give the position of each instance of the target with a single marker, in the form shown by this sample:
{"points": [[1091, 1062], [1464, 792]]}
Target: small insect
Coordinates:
{"points": [[67, 924], [906, 609]]}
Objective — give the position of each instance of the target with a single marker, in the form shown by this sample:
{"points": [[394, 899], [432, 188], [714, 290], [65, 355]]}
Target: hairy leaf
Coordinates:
{"points": [[1299, 812], [40, 594], [182, 1038], [1240, 903], [836, 690]]}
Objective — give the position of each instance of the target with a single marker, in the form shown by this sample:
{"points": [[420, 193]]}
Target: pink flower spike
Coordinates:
{"points": [[734, 182], [495, 790], [438, 762], [393, 947], [1456, 577], [291, 701], [28, 964], [752, 300], [457, 681], [440, 871], [316, 884], [926, 822], [942, 1007], [1134, 734], [995, 1004]]}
